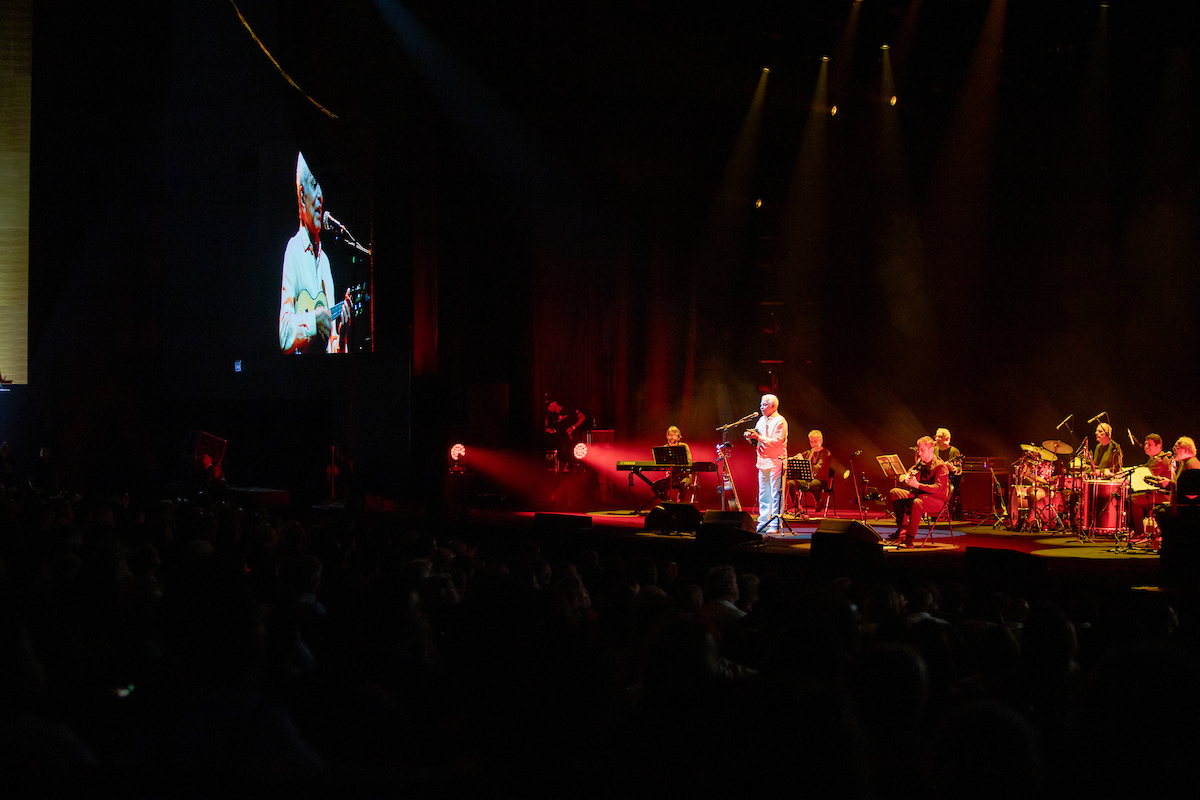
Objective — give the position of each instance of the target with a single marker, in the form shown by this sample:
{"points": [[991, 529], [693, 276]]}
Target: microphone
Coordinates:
{"points": [[329, 222], [1132, 440], [1064, 422], [1098, 416], [856, 453], [750, 416]]}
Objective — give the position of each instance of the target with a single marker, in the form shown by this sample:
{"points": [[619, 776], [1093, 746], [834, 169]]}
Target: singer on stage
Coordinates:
{"points": [[770, 435], [305, 322]]}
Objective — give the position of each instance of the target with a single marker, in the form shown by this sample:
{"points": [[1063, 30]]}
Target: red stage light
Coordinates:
{"points": [[458, 452], [580, 451]]}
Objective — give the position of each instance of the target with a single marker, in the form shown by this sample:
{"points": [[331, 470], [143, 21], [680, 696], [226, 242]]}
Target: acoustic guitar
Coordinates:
{"points": [[356, 298]]}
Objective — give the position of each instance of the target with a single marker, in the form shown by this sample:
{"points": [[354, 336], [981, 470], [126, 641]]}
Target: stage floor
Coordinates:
{"points": [[1063, 553]]}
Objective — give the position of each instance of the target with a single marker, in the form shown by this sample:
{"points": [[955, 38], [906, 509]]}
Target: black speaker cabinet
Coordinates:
{"points": [[673, 518], [722, 530], [849, 528], [845, 547]]}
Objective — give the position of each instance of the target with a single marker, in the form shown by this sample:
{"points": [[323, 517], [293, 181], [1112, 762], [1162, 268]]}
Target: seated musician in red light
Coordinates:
{"points": [[678, 480], [928, 487], [1162, 470], [818, 459], [1185, 461]]}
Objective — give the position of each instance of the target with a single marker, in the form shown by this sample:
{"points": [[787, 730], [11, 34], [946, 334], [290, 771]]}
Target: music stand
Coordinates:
{"points": [[673, 455], [797, 469], [891, 466]]}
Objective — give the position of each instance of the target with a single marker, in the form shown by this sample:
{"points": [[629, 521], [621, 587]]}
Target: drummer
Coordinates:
{"points": [[1141, 504], [1107, 457], [1035, 474]]}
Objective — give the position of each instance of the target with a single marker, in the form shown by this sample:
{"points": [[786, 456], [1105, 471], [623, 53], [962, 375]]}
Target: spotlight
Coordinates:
{"points": [[766, 69], [883, 47], [580, 451], [458, 459], [824, 58], [758, 203], [892, 101], [833, 111]]}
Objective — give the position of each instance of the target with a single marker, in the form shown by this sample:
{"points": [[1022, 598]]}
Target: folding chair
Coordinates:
{"points": [[945, 514]]}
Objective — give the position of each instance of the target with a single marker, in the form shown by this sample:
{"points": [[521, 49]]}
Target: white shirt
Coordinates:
{"points": [[303, 271], [772, 441]]}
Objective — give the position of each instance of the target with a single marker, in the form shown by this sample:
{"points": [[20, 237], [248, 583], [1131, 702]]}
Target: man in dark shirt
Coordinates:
{"points": [[1107, 458], [1141, 504], [818, 458]]}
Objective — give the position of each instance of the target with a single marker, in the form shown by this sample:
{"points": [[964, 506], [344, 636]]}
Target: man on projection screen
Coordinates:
{"points": [[306, 324]]}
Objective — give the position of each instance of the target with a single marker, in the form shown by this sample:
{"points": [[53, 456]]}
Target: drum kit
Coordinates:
{"points": [[1049, 493]]}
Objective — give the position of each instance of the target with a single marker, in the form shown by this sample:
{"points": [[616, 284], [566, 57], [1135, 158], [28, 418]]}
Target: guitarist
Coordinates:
{"points": [[305, 322], [928, 486], [953, 458]]}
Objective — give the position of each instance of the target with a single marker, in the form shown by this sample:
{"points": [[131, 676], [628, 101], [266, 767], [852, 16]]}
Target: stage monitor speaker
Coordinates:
{"points": [[674, 518], [740, 520], [845, 548], [975, 492], [718, 537], [850, 528]]}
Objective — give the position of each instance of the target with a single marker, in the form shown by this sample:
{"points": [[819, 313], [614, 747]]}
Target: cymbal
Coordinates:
{"points": [[1046, 454], [1058, 446], [1030, 447]]}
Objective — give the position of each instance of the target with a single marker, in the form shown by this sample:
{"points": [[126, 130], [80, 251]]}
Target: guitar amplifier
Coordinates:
{"points": [[975, 487], [985, 464]]}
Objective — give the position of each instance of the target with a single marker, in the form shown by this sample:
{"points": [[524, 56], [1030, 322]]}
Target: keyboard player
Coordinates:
{"points": [[679, 480]]}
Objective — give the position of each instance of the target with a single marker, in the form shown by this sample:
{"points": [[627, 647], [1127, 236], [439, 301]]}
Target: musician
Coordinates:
{"points": [[1185, 460], [953, 458], [929, 485], [1107, 457], [678, 480], [306, 269], [818, 458], [770, 436], [561, 426], [1161, 467]]}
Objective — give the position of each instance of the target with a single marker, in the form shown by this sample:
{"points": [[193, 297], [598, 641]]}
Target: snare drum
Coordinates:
{"points": [[1103, 505]]}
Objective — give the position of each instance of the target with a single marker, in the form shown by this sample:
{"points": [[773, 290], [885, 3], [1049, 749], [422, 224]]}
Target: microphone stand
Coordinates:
{"points": [[862, 509], [778, 502], [997, 491]]}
